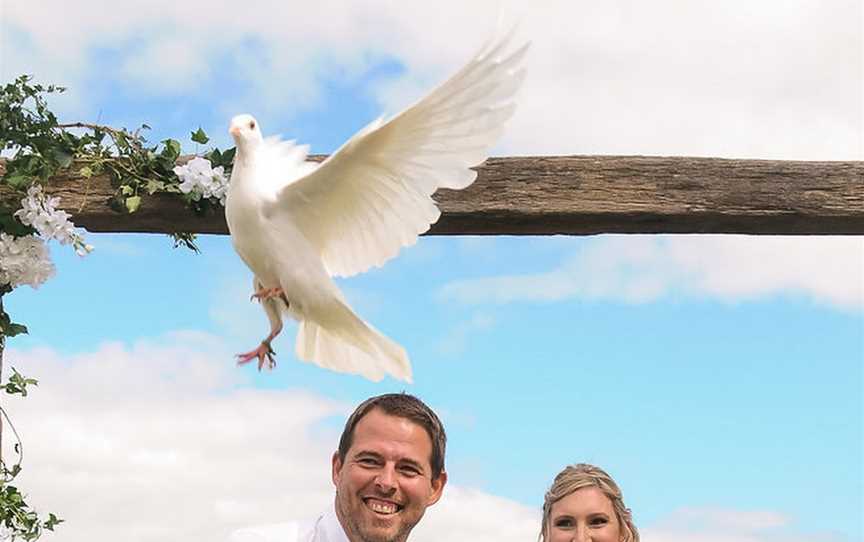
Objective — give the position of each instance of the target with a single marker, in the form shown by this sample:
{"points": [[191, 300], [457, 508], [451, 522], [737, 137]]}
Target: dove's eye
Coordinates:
{"points": [[252, 125]]}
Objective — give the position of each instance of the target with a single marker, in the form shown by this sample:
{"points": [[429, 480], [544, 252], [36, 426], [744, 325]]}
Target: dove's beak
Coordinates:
{"points": [[234, 131]]}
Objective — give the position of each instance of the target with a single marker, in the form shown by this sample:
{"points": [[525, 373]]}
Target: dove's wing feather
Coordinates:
{"points": [[342, 342], [281, 163], [374, 195]]}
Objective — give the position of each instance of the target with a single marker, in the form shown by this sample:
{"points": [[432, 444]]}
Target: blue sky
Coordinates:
{"points": [[718, 378]]}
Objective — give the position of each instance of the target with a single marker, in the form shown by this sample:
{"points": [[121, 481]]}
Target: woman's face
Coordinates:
{"points": [[582, 516]]}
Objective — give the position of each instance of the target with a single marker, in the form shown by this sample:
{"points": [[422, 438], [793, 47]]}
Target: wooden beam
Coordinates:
{"points": [[578, 195]]}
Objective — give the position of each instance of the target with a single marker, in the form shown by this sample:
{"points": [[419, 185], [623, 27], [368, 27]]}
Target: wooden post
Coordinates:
{"points": [[576, 195]]}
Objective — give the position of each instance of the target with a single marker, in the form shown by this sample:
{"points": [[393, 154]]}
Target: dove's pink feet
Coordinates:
{"points": [[267, 293], [264, 353]]}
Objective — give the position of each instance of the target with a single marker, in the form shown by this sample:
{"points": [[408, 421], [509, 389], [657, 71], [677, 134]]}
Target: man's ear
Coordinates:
{"points": [[437, 488], [337, 468]]}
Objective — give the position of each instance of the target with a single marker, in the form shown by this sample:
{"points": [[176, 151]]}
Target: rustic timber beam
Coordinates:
{"points": [[579, 195]]}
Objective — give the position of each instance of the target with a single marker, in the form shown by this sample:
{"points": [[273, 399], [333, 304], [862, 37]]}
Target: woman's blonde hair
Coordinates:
{"points": [[575, 477]]}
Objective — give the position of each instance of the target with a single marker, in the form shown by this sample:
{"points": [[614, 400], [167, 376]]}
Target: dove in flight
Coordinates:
{"points": [[297, 224]]}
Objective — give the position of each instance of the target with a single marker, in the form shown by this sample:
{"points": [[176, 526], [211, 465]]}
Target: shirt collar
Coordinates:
{"points": [[331, 527]]}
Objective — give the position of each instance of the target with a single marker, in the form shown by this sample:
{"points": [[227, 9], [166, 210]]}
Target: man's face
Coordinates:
{"points": [[385, 483]]}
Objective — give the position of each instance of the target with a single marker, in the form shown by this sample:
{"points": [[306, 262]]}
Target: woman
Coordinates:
{"points": [[583, 504]]}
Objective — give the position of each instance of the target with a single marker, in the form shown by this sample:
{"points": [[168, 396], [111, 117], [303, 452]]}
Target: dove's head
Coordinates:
{"points": [[245, 131]]}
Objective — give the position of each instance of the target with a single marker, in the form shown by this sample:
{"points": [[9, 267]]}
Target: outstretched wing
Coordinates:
{"points": [[374, 195]]}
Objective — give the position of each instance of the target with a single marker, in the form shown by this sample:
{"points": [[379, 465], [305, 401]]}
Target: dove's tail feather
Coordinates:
{"points": [[342, 342]]}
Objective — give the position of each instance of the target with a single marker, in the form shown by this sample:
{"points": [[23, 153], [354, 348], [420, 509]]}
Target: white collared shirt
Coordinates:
{"points": [[324, 529]]}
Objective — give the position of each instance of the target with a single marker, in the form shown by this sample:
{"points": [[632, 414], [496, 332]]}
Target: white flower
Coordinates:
{"points": [[40, 212], [24, 260], [201, 180]]}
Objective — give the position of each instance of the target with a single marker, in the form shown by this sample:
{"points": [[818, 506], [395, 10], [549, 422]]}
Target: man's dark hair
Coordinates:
{"points": [[401, 405]]}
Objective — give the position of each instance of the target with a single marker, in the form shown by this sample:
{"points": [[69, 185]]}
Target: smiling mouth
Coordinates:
{"points": [[380, 507]]}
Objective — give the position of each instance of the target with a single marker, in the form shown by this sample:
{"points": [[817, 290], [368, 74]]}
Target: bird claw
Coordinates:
{"points": [[267, 293], [264, 353]]}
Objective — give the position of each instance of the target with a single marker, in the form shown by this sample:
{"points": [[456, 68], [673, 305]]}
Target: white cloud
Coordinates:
{"points": [[182, 65], [728, 525], [697, 78], [771, 79], [471, 515], [276, 54], [782, 80], [157, 442], [456, 340], [160, 441], [828, 270]]}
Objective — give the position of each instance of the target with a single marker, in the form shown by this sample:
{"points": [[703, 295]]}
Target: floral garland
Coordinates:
{"points": [[37, 147], [200, 180], [40, 147], [25, 259]]}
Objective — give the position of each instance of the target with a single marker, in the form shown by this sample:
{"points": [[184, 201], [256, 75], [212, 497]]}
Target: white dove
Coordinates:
{"points": [[297, 224]]}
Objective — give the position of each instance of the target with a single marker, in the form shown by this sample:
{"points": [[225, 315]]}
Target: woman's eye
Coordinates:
{"points": [[599, 521], [564, 523]]}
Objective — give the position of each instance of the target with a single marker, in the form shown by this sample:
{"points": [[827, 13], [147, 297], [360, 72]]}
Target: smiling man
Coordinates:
{"points": [[388, 469]]}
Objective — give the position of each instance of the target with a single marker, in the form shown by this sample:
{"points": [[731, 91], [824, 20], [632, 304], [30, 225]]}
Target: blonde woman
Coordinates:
{"points": [[585, 504]]}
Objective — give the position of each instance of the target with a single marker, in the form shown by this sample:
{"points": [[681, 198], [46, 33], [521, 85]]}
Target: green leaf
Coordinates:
{"points": [[5, 322], [132, 203], [187, 240], [122, 139], [18, 181], [18, 384], [154, 186], [15, 329], [172, 189], [15, 497], [200, 137], [228, 156], [85, 172], [215, 157], [12, 389], [11, 226], [127, 190], [52, 522], [171, 150], [117, 204], [63, 158]]}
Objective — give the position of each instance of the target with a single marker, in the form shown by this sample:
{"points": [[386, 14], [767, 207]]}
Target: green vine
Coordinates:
{"points": [[16, 516], [42, 147], [38, 147]]}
